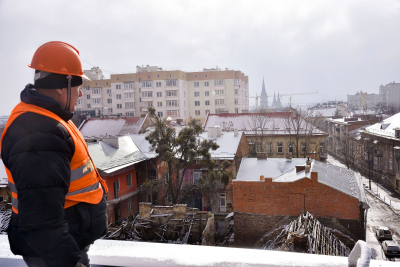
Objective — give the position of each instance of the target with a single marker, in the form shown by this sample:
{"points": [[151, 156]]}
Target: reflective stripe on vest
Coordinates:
{"points": [[85, 181]]}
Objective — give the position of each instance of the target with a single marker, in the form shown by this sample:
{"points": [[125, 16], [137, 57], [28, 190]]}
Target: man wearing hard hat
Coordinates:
{"points": [[58, 196]]}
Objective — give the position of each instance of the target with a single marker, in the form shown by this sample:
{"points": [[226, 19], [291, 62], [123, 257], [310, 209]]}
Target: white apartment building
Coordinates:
{"points": [[391, 93], [176, 94], [364, 100]]}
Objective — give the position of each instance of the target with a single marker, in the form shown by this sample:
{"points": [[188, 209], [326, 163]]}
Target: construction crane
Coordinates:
{"points": [[258, 96]]}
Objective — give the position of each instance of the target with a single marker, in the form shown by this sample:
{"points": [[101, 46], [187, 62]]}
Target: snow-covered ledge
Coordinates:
{"points": [[128, 253]]}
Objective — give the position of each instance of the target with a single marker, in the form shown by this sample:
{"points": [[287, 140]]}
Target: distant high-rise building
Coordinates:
{"points": [[264, 97], [176, 94]]}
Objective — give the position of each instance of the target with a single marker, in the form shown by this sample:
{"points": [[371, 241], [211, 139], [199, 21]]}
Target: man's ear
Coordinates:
{"points": [[59, 91]]}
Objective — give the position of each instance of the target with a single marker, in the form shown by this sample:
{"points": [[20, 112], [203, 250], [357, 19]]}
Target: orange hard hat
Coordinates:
{"points": [[58, 57]]}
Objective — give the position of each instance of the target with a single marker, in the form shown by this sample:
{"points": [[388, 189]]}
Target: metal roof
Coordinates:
{"points": [[282, 170], [109, 159], [143, 145], [99, 127], [276, 123]]}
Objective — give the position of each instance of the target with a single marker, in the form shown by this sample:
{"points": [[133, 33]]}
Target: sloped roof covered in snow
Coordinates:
{"points": [[283, 170], [3, 175], [386, 127], [276, 123], [108, 158], [228, 145], [143, 145], [99, 127]]}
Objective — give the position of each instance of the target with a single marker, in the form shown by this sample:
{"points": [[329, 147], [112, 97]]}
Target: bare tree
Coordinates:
{"points": [[262, 126]]}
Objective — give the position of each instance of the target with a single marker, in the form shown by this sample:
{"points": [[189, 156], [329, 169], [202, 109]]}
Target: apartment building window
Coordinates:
{"points": [[147, 94], [79, 101], [87, 96], [159, 104], [160, 114], [150, 104], [236, 101], [159, 94], [119, 106], [146, 84], [279, 146], [207, 84], [197, 112], [207, 111], [219, 110], [197, 103], [109, 101], [130, 114], [129, 105], [129, 180], [129, 95], [172, 113], [128, 85], [219, 82], [219, 101], [207, 93], [207, 102], [109, 91], [196, 84], [118, 96], [88, 105], [219, 92], [236, 82], [158, 84], [117, 86], [96, 100], [236, 91], [129, 204], [87, 87], [196, 94], [140, 80], [172, 103], [269, 147], [171, 82], [171, 93], [236, 110], [196, 176]]}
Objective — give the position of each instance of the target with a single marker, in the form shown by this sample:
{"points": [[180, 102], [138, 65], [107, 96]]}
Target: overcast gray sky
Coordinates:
{"points": [[333, 47]]}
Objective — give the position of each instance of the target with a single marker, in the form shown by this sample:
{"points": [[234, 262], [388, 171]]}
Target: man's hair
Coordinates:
{"points": [[48, 80]]}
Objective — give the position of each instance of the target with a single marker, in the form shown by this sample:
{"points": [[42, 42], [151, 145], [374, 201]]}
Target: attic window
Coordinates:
{"points": [[384, 126]]}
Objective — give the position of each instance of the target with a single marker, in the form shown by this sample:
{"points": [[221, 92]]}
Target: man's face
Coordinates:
{"points": [[75, 94]]}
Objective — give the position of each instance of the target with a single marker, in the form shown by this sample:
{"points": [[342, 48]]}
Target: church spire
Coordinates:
{"points": [[264, 97]]}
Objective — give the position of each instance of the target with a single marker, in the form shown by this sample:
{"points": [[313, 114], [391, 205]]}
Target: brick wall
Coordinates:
{"points": [[287, 198]]}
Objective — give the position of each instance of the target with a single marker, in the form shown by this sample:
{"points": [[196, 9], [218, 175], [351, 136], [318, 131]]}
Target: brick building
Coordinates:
{"points": [[270, 193]]}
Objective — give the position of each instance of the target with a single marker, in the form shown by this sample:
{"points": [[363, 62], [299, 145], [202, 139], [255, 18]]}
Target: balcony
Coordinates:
{"points": [[143, 109], [105, 253]]}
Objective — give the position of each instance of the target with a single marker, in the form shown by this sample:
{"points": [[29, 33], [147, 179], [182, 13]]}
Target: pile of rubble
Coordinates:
{"points": [[5, 216], [306, 235], [166, 224]]}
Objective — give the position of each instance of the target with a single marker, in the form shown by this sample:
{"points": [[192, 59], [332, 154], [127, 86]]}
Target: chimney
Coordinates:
{"points": [[235, 132], [308, 162], [300, 168], [215, 133], [210, 131], [307, 169], [112, 141], [289, 156], [261, 155], [219, 132], [312, 154]]}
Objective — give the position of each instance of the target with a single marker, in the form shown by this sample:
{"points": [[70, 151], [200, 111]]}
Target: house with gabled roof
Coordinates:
{"points": [[274, 133], [269, 193], [381, 143]]}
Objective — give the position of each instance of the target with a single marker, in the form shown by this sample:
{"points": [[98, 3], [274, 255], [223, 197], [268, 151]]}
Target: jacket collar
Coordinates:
{"points": [[30, 96]]}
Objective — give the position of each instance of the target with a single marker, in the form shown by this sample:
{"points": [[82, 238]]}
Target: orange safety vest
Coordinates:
{"points": [[85, 179]]}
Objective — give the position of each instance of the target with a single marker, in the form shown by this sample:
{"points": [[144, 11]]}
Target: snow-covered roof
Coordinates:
{"points": [[143, 145], [276, 123], [109, 159], [386, 127], [283, 170], [3, 121], [324, 112], [228, 145], [3, 175], [99, 127]]}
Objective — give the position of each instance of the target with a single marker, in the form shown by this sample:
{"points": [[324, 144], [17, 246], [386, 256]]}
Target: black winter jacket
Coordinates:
{"points": [[37, 150]]}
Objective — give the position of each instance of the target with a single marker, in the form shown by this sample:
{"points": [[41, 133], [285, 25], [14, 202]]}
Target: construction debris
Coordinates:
{"points": [[307, 235], [5, 216], [166, 224]]}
